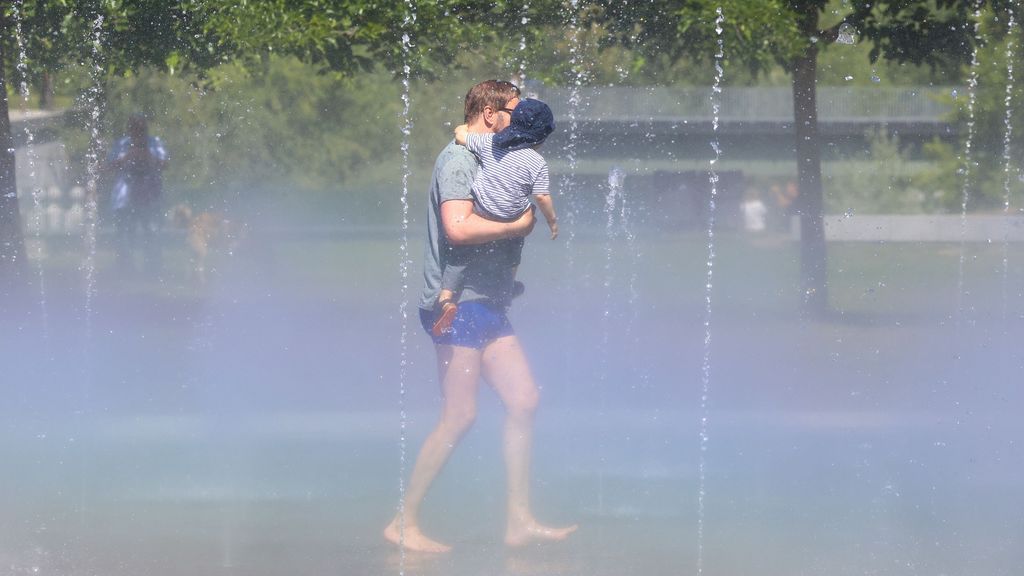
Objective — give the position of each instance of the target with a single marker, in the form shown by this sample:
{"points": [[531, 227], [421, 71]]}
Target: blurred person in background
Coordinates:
{"points": [[754, 211], [138, 161]]}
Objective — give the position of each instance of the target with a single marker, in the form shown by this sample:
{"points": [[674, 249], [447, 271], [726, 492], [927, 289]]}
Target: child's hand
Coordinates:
{"points": [[461, 133], [554, 229]]}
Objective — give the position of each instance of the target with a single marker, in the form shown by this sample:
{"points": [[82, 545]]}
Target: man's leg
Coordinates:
{"points": [[459, 371], [505, 367]]}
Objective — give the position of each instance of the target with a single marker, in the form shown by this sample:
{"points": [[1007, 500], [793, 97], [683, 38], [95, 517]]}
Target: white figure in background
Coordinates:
{"points": [[754, 211]]}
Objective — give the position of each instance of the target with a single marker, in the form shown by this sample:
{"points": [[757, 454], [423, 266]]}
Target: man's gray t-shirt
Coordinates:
{"points": [[491, 278]]}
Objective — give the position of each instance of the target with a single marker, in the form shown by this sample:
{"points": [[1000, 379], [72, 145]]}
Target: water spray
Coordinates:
{"points": [[716, 91], [403, 266]]}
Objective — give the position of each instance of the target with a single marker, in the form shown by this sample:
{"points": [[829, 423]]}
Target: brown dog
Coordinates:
{"points": [[207, 233]]}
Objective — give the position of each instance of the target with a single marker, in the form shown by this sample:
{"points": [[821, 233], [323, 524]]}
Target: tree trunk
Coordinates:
{"points": [[13, 258], [46, 91], [809, 203]]}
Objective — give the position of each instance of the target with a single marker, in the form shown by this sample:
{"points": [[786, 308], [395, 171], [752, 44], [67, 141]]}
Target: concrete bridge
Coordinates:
{"points": [[754, 123]]}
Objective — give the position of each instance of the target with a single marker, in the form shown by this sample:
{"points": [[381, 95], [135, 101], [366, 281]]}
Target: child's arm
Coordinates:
{"points": [[547, 208], [461, 134], [476, 142]]}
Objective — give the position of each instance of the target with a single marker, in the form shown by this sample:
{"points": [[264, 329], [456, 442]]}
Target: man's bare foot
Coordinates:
{"points": [[529, 532], [412, 539]]}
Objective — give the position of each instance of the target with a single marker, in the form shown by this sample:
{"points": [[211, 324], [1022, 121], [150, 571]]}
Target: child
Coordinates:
{"points": [[512, 173]]}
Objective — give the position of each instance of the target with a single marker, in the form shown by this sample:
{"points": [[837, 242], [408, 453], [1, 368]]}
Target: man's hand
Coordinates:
{"points": [[525, 223]]}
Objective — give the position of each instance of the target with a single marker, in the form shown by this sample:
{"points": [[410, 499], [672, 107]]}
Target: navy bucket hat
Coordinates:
{"points": [[532, 122]]}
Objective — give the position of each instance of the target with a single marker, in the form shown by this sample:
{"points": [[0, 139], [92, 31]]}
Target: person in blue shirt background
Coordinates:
{"points": [[138, 160]]}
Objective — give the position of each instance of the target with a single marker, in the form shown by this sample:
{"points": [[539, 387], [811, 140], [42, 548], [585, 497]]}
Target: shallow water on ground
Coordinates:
{"points": [[253, 429]]}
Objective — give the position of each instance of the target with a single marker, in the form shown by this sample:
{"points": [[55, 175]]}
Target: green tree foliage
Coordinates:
{"points": [[985, 179], [286, 128], [45, 36], [351, 35], [882, 180]]}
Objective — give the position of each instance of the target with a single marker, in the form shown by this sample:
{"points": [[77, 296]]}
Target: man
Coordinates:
{"points": [[481, 342], [138, 160]]}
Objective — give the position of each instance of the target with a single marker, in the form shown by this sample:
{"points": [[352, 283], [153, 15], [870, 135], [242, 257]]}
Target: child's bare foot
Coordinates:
{"points": [[444, 320], [412, 539], [529, 532]]}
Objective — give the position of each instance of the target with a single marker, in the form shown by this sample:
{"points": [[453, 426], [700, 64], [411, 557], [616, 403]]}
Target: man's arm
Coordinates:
{"points": [[463, 227]]}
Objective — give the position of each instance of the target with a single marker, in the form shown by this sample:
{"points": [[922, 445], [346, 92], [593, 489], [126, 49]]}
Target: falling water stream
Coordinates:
{"points": [[404, 265], [618, 175], [621, 252], [566, 183], [967, 174], [569, 205], [33, 161], [94, 100], [611, 200], [716, 92], [521, 65], [640, 372], [1011, 27]]}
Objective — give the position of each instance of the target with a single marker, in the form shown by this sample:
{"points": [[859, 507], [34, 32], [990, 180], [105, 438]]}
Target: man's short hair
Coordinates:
{"points": [[489, 93]]}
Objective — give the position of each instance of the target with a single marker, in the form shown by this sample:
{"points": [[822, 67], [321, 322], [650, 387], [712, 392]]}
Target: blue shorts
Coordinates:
{"points": [[476, 324]]}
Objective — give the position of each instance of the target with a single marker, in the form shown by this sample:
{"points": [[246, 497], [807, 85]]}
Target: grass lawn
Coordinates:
{"points": [[757, 274]]}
